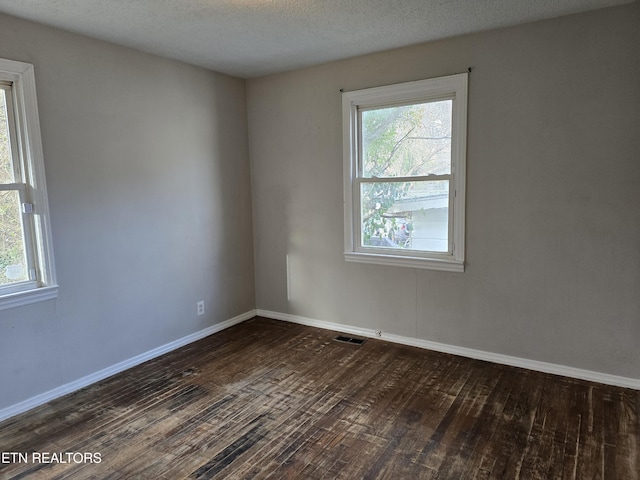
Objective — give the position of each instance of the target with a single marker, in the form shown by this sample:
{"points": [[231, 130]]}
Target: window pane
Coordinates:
{"points": [[6, 165], [409, 140], [12, 252], [408, 215]]}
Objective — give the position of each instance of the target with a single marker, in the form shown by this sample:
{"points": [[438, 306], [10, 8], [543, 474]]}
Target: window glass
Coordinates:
{"points": [[405, 215], [12, 250], [408, 140], [6, 163]]}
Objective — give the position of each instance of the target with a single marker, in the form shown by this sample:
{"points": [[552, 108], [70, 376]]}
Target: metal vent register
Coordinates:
{"points": [[355, 341]]}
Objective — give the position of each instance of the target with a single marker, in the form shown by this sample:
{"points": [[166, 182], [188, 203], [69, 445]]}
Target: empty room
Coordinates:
{"points": [[320, 239]]}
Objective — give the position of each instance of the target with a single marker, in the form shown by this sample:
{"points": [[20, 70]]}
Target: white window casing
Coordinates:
{"points": [[450, 88], [25, 140]]}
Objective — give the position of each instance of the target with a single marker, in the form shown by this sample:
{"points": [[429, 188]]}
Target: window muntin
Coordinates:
{"points": [[26, 255], [404, 173]]}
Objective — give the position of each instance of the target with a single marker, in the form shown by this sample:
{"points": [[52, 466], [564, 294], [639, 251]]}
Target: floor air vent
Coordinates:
{"points": [[355, 341]]}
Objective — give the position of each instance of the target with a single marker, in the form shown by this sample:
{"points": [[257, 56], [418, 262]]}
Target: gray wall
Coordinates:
{"points": [[150, 196], [148, 177], [553, 195]]}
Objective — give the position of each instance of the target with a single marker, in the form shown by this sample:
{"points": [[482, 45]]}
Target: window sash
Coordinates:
{"points": [[27, 238], [18, 287], [373, 107], [357, 217], [23, 193], [14, 145], [362, 178]]}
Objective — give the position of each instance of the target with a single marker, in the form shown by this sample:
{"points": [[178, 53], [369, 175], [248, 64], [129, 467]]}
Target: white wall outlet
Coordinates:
{"points": [[378, 333], [200, 307]]}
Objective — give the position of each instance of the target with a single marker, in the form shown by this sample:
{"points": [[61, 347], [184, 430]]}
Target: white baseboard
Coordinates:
{"points": [[119, 367], [545, 367], [364, 332]]}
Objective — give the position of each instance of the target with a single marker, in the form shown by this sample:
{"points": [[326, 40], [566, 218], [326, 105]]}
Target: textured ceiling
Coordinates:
{"points": [[249, 38]]}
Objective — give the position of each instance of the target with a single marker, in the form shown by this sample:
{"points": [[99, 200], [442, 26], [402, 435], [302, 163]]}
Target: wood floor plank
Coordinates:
{"points": [[271, 400]]}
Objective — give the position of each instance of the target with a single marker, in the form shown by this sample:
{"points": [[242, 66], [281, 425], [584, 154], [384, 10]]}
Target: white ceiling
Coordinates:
{"points": [[249, 38]]}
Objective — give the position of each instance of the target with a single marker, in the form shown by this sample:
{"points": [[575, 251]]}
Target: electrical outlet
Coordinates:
{"points": [[200, 307], [378, 333]]}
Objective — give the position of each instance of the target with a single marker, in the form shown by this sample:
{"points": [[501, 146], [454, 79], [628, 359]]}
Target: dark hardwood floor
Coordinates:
{"points": [[267, 399]]}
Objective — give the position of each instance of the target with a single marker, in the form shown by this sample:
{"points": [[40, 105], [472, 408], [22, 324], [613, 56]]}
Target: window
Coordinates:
{"points": [[404, 173], [26, 256]]}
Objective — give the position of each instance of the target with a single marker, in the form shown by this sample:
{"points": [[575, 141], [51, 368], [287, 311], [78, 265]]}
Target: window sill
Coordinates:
{"points": [[27, 297], [444, 265]]}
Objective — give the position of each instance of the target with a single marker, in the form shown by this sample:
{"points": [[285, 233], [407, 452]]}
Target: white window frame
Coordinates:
{"points": [[450, 87], [27, 151]]}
